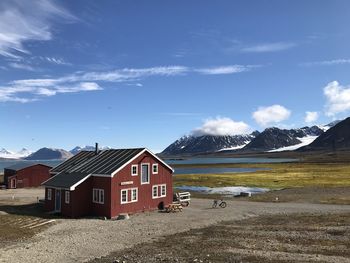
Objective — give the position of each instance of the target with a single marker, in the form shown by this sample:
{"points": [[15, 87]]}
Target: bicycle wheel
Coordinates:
{"points": [[223, 204], [215, 204]]}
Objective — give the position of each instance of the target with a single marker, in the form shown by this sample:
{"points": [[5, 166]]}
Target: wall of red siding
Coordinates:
{"points": [[32, 176], [81, 199], [81, 202], [145, 201], [105, 208], [49, 204]]}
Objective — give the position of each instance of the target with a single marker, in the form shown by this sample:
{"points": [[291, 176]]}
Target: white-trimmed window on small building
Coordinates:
{"points": [[98, 196], [134, 195], [49, 194], [155, 168], [129, 195], [134, 169], [67, 197], [158, 191], [163, 190]]}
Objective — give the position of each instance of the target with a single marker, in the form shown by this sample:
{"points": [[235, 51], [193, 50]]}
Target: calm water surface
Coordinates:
{"points": [[229, 160]]}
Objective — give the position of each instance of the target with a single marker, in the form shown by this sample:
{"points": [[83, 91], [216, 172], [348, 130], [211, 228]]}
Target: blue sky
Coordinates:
{"points": [[144, 73]]}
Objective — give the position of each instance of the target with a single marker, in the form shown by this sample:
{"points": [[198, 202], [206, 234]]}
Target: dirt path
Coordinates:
{"points": [[85, 239]]}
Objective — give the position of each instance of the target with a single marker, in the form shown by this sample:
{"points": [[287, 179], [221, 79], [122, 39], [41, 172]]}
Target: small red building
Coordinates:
{"points": [[108, 183], [26, 174]]}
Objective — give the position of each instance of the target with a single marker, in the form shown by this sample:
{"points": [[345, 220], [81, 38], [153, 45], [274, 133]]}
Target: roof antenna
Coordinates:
{"points": [[96, 148]]}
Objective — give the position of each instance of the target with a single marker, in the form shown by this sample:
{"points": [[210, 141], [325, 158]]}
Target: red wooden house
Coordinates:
{"points": [[26, 174], [108, 183]]}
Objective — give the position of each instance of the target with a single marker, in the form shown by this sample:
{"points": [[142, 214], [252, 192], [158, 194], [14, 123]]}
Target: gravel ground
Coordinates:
{"points": [[72, 240], [305, 237]]}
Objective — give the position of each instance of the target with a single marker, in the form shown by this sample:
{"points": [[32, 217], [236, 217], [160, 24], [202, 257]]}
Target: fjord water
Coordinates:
{"points": [[229, 160], [194, 161], [221, 170]]}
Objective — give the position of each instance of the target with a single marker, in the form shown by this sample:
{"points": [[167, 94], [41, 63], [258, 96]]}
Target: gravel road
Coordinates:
{"points": [[72, 240]]}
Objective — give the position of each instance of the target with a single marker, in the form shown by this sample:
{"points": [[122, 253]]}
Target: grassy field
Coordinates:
{"points": [[278, 175]]}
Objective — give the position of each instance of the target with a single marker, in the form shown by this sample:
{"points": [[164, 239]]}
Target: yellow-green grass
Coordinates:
{"points": [[1, 178], [278, 175]]}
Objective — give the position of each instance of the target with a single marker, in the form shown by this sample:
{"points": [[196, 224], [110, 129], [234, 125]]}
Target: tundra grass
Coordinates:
{"points": [[280, 175]]}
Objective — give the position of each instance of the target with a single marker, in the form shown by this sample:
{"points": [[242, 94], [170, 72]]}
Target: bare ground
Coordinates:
{"points": [[273, 238], [198, 227]]}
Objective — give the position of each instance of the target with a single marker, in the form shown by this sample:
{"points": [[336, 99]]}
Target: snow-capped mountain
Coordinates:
{"points": [[278, 139], [77, 149], [207, 143], [14, 155], [335, 138], [270, 140], [49, 154]]}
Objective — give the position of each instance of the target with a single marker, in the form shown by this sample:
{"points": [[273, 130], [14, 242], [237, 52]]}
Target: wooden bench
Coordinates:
{"points": [[173, 208]]}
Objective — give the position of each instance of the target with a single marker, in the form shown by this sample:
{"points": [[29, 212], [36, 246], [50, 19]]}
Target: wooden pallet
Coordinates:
{"points": [[173, 208]]}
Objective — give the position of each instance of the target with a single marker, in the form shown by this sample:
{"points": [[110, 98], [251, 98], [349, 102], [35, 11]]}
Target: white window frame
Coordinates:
{"points": [[121, 196], [153, 166], [137, 194], [49, 194], [149, 174], [162, 186], [128, 191], [132, 169], [67, 197], [98, 196], [153, 195], [159, 188]]}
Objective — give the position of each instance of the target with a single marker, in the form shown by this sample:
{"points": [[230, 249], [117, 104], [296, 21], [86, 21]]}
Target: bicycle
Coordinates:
{"points": [[220, 203]]}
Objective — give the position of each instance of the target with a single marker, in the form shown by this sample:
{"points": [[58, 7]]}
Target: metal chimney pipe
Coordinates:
{"points": [[96, 148]]}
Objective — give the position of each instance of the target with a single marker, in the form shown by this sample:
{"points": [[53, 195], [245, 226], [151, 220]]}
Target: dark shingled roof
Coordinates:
{"points": [[65, 180], [108, 161], [74, 161], [85, 163], [22, 165]]}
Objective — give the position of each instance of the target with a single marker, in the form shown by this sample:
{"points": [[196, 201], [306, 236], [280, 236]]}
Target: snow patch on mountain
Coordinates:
{"points": [[304, 141], [14, 155]]}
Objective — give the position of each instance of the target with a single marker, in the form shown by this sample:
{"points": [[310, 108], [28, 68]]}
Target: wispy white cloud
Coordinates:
{"points": [[265, 116], [23, 21], [224, 70], [22, 92], [311, 116], [327, 62], [17, 65], [338, 98], [86, 81], [221, 126], [268, 47], [57, 61]]}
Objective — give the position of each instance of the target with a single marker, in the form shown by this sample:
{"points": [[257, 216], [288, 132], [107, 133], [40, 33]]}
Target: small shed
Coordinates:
{"points": [[26, 174]]}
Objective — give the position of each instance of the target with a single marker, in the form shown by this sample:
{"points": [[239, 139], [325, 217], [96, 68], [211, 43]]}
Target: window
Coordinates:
{"points": [[49, 194], [67, 197], [155, 191], [134, 195], [155, 168], [163, 191], [124, 196], [98, 196], [159, 191], [128, 195], [134, 169], [144, 173]]}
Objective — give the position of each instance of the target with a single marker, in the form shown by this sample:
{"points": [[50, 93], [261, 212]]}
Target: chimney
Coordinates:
{"points": [[96, 148]]}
